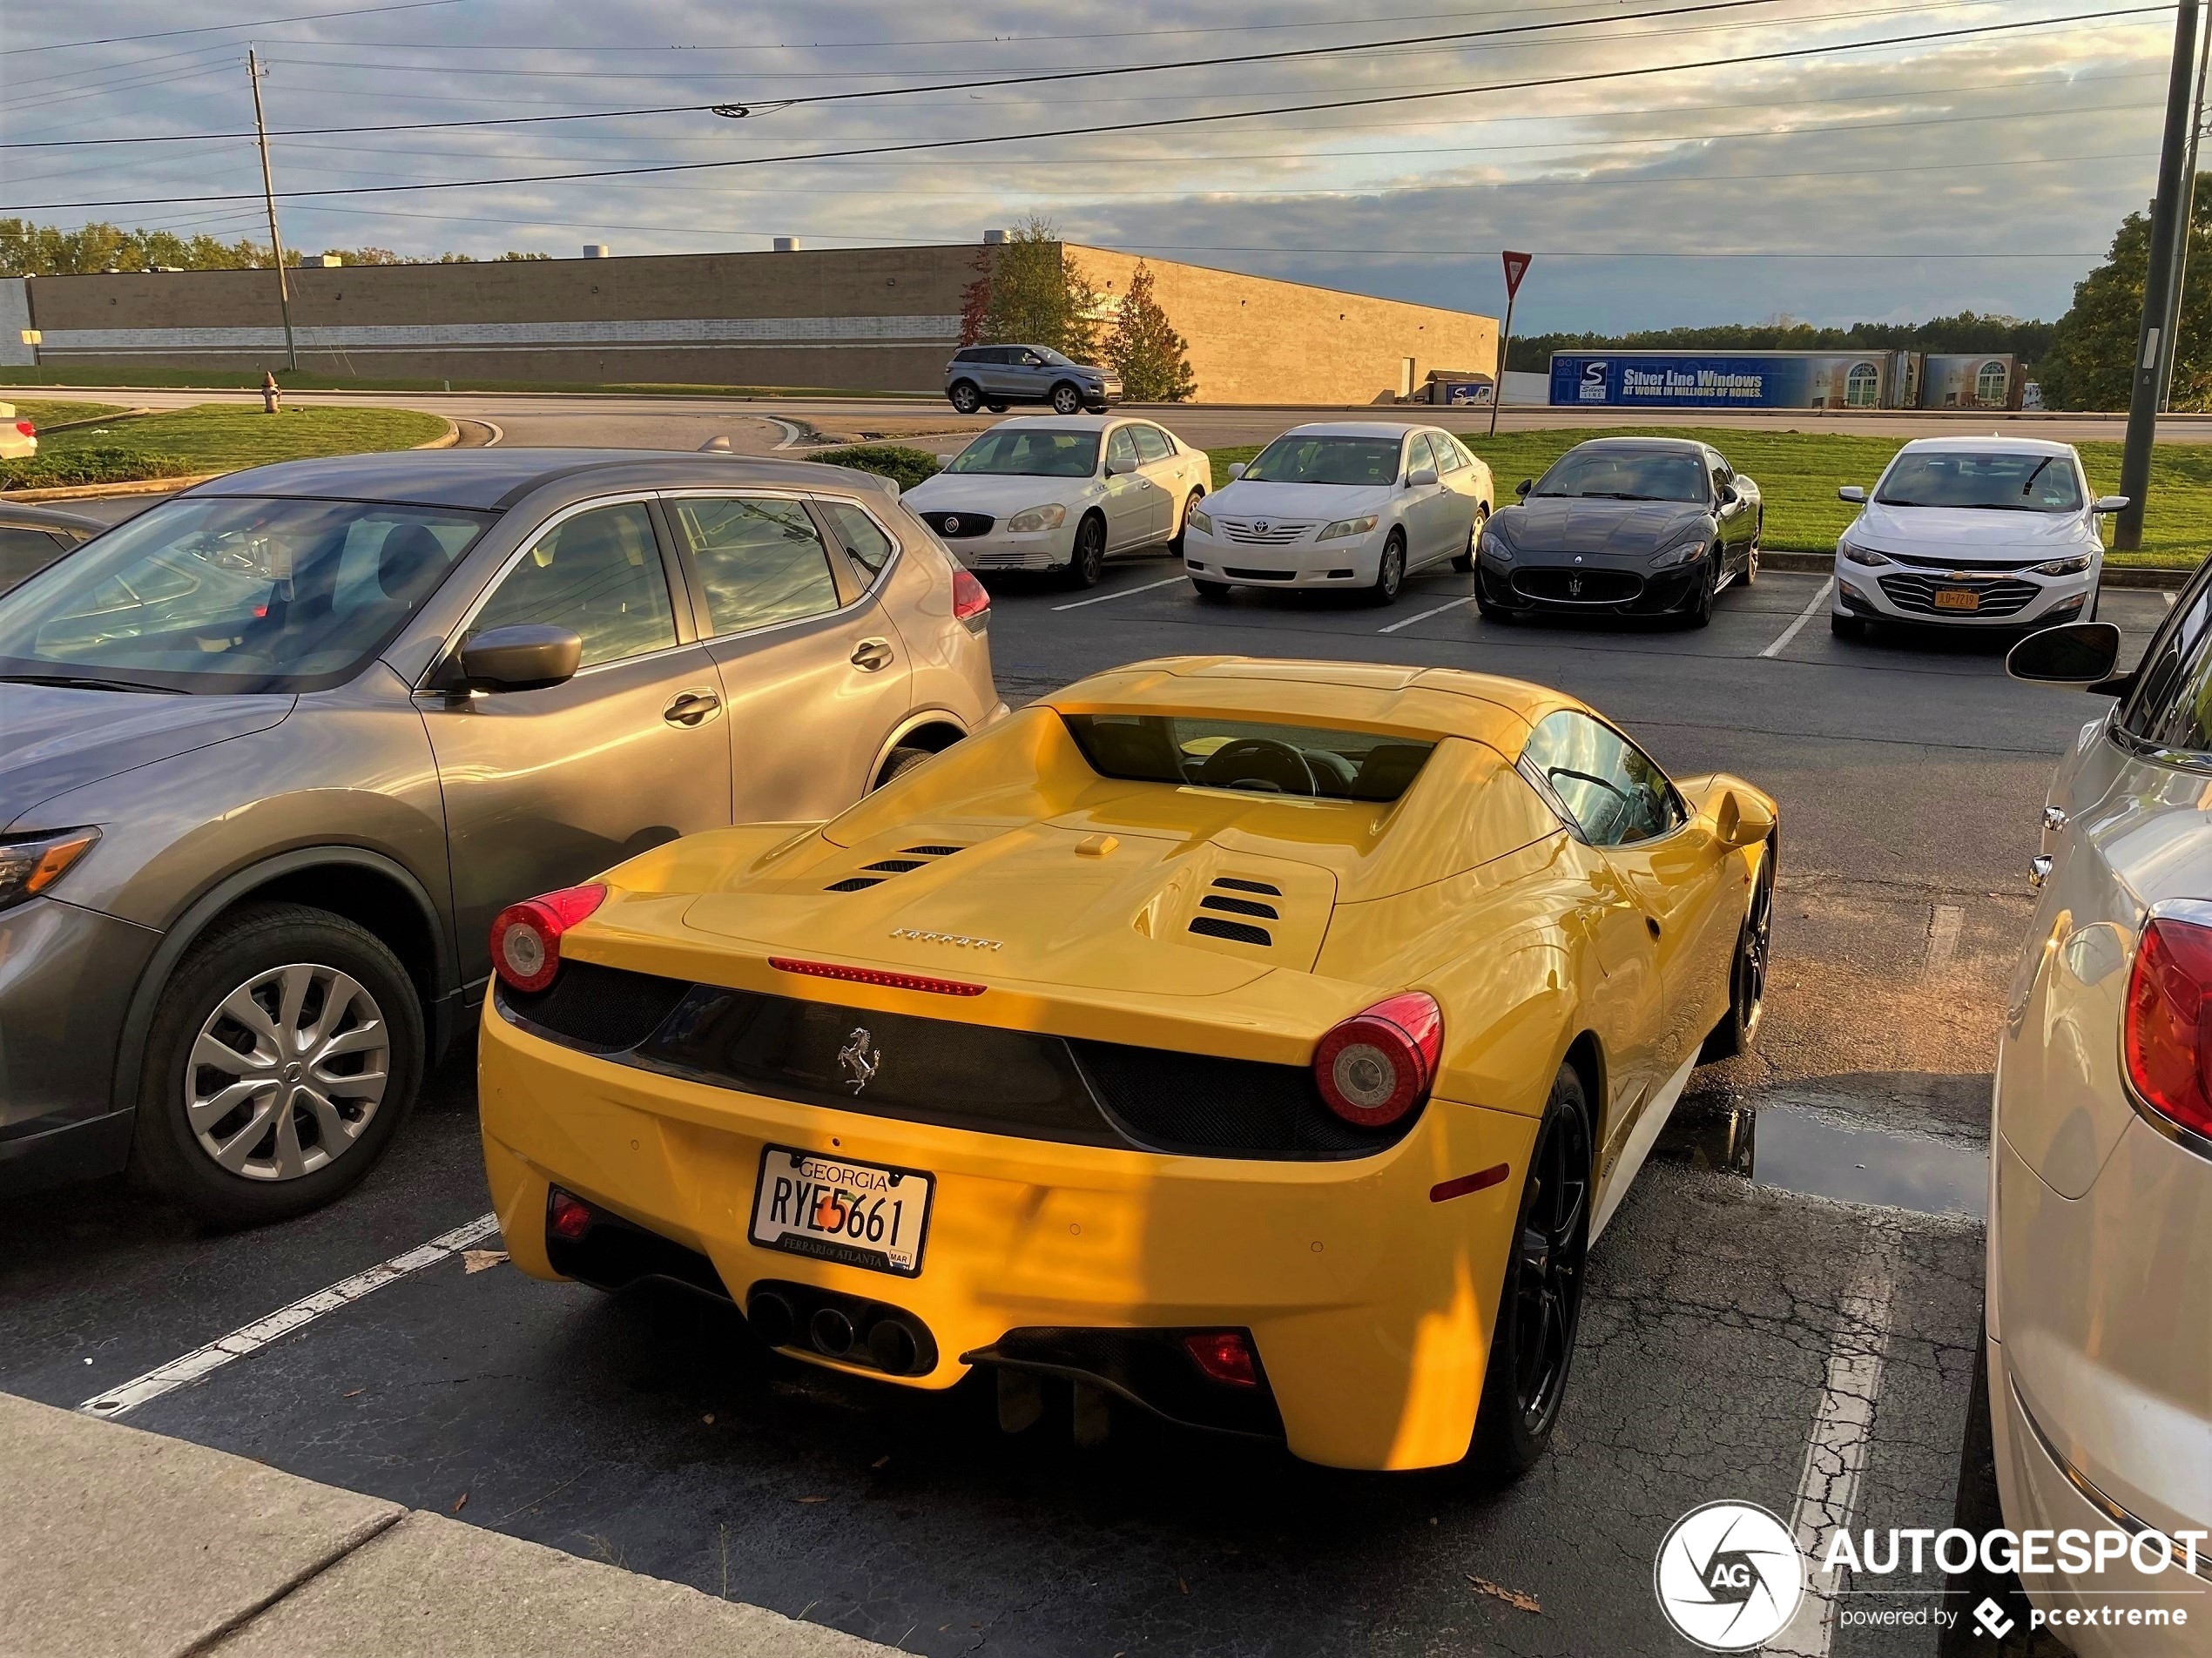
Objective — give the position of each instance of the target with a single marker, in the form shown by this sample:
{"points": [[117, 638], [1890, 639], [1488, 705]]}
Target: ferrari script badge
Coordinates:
{"points": [[859, 1059]]}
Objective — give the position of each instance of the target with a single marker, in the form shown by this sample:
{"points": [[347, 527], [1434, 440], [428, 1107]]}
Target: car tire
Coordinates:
{"points": [[1087, 563], [1846, 627], [995, 409], [1465, 562], [1532, 1343], [1751, 554], [965, 396], [1210, 592], [1182, 523], [280, 964], [1700, 613], [1390, 573], [901, 760], [1067, 398], [1747, 973]]}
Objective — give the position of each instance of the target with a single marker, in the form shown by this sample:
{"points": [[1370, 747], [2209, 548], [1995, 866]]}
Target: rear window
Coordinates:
{"points": [[1198, 750]]}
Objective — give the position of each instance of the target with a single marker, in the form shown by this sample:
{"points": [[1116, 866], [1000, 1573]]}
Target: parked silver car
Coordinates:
{"points": [[33, 537], [995, 377], [274, 754]]}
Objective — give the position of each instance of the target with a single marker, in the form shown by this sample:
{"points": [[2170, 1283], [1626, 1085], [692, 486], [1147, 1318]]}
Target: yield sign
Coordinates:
{"points": [[1516, 268]]}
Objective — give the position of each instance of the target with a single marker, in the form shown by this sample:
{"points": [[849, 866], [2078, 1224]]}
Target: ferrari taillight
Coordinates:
{"points": [[526, 937], [1378, 1065], [2168, 1018], [971, 604]]}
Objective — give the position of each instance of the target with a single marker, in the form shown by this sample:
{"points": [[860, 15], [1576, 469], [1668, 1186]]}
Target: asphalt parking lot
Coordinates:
{"points": [[1748, 1335]]}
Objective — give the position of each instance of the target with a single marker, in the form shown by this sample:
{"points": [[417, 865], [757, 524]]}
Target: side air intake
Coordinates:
{"points": [[1243, 933]]}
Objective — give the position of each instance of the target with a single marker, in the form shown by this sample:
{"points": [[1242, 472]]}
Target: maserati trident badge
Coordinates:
{"points": [[859, 1059]]}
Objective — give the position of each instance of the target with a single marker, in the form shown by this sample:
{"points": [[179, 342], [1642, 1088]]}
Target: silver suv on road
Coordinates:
{"points": [[274, 754], [995, 377]]}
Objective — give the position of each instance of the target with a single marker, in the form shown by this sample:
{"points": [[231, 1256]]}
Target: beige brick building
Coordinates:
{"points": [[878, 319]]}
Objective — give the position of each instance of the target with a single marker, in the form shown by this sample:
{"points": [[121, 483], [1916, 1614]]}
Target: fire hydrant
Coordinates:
{"points": [[272, 394]]}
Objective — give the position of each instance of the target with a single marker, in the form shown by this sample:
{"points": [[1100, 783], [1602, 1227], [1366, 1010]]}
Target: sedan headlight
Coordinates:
{"points": [[28, 866], [1865, 555], [2062, 566], [1028, 521], [1345, 527], [1681, 555], [1200, 520]]}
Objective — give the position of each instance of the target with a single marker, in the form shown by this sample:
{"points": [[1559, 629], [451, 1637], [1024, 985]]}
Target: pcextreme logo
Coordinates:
{"points": [[1729, 1576]]}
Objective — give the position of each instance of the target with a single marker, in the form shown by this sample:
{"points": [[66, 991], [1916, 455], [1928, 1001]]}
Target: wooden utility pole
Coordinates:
{"points": [[268, 194], [2166, 220]]}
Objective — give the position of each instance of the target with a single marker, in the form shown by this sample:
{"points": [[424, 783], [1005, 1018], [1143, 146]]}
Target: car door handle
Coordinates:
{"points": [[873, 654], [2053, 818], [2040, 868], [692, 708]]}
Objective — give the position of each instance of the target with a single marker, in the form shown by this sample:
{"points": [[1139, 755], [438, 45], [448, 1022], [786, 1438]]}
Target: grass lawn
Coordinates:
{"points": [[43, 412], [1798, 474], [214, 437]]}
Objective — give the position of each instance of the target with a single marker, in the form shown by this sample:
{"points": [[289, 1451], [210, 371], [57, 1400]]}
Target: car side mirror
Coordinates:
{"points": [[1524, 487], [1236, 470], [1852, 493], [1115, 470], [1741, 820], [528, 657], [1419, 477], [2108, 504], [2080, 654]]}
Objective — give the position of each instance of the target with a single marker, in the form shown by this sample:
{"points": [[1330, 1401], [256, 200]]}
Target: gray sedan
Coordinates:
{"points": [[274, 754], [33, 537]]}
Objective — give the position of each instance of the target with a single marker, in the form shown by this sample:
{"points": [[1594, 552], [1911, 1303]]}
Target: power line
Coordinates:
{"points": [[220, 27], [1159, 123]]}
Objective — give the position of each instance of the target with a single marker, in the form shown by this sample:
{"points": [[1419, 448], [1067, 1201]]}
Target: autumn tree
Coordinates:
{"points": [[2091, 361], [1145, 350], [1028, 291]]}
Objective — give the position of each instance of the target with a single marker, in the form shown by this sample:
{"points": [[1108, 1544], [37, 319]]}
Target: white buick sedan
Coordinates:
{"points": [[1354, 504], [1060, 493], [1988, 532]]}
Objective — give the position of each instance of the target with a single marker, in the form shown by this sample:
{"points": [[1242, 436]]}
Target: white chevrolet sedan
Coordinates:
{"points": [[1355, 505], [1987, 532], [2099, 1283], [1062, 492]]}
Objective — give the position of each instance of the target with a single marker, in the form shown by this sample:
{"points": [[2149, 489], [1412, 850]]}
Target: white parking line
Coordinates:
{"points": [[1424, 615], [250, 1337], [1807, 615], [1102, 598], [1842, 1429]]}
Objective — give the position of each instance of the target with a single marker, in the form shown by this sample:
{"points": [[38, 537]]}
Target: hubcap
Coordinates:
{"points": [[286, 1072], [1548, 1295]]}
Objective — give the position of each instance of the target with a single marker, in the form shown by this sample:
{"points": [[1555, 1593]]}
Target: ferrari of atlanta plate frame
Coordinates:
{"points": [[832, 1209]]}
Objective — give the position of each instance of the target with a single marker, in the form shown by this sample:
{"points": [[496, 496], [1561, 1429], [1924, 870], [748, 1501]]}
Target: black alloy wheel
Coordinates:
{"points": [[1699, 612], [1067, 398], [1532, 1348], [965, 396], [1088, 563], [1747, 973], [1751, 553], [1390, 571], [1465, 562]]}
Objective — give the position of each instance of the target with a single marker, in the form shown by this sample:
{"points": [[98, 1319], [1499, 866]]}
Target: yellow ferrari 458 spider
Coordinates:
{"points": [[1264, 1043]]}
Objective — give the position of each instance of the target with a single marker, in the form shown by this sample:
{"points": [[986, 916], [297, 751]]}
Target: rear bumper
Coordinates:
{"points": [[1369, 1305]]}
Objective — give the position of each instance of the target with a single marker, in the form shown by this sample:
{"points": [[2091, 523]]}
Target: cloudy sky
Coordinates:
{"points": [[1901, 178]]}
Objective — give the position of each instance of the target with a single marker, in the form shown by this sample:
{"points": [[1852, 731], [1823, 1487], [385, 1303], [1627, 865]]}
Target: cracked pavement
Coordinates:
{"points": [[650, 1431]]}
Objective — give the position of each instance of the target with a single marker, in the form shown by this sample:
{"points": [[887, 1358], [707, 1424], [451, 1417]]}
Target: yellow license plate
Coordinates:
{"points": [[1957, 598]]}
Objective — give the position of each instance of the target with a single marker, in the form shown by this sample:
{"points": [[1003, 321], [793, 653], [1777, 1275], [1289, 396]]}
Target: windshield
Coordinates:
{"points": [[1032, 453], [233, 595], [1053, 357], [1988, 480], [1293, 459], [1625, 474], [1199, 750]]}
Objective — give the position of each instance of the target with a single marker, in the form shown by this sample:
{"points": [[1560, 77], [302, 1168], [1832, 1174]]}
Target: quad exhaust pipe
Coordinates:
{"points": [[850, 1329]]}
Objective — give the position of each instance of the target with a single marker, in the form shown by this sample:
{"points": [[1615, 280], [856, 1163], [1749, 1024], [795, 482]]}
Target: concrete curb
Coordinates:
{"points": [[2115, 576], [449, 439], [123, 1544]]}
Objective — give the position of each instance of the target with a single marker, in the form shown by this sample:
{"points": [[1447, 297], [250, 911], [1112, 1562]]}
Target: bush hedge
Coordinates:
{"points": [[103, 463], [906, 467]]}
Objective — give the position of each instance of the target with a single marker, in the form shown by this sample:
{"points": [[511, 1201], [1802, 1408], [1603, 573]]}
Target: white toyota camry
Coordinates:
{"points": [[1984, 532], [1355, 504], [1061, 492]]}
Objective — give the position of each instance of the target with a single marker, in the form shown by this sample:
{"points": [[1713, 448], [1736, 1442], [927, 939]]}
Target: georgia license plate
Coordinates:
{"points": [[1957, 598], [857, 1214]]}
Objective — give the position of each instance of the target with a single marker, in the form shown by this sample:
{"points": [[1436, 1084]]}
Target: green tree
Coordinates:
{"points": [[1028, 291], [2090, 364], [30, 249], [1144, 349]]}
